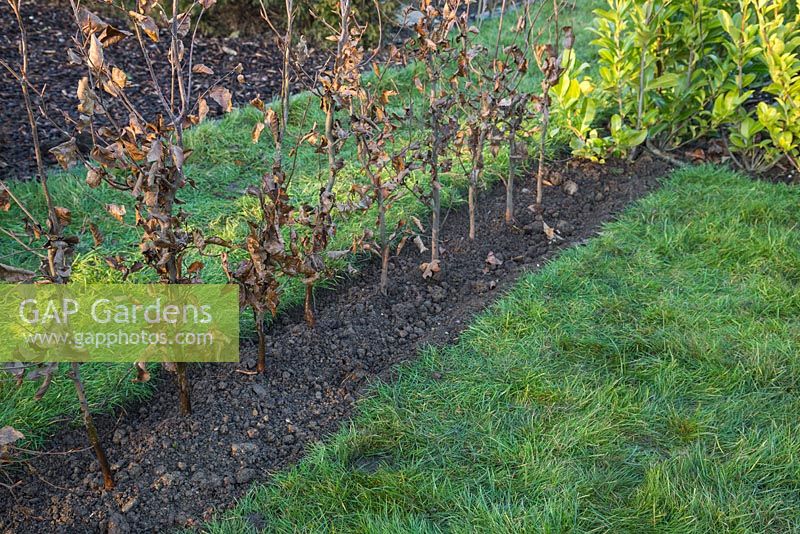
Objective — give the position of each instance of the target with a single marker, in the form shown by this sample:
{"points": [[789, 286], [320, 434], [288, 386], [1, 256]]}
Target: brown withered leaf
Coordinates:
{"points": [[63, 214], [491, 259], [420, 245], [569, 37], [90, 22], [9, 435], [258, 104], [223, 97], [257, 129], [202, 109], [93, 178], [271, 118], [66, 153], [46, 371], [200, 68], [207, 4], [550, 232], [97, 237], [135, 268], [111, 36], [116, 262], [33, 229], [142, 374], [156, 152], [135, 124], [178, 156], [86, 97], [73, 57], [386, 95], [312, 138], [146, 6], [116, 84], [117, 211], [401, 245], [146, 23], [570, 187], [15, 275], [430, 268], [96, 58], [184, 23], [697, 155], [5, 199], [195, 267]]}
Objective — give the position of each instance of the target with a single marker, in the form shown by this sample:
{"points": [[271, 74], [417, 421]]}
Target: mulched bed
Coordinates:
{"points": [[51, 29], [175, 472]]}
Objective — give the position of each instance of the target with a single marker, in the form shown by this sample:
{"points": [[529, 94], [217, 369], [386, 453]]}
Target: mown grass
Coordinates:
{"points": [[646, 382], [224, 163]]}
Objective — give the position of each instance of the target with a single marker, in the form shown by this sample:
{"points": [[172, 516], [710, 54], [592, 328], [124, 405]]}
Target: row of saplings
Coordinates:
{"points": [[470, 104]]}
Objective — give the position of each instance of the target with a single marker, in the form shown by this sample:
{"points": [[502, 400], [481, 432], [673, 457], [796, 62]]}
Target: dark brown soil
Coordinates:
{"points": [[51, 28], [173, 471]]}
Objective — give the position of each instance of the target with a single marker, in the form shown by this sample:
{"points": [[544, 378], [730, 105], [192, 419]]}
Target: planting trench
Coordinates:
{"points": [[175, 472]]}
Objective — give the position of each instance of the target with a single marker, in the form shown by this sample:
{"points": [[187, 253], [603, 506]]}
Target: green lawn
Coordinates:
{"points": [[646, 382], [224, 163]]}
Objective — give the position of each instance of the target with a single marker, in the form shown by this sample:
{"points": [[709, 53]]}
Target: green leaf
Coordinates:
{"points": [[668, 80], [727, 24]]}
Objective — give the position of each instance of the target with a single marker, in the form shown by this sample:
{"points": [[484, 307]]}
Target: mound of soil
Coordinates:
{"points": [[51, 29], [173, 471]]}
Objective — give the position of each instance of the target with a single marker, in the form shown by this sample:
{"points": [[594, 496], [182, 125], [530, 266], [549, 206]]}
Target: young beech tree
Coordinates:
{"points": [[508, 71], [475, 101], [548, 59], [145, 155], [52, 244], [267, 252], [335, 89], [335, 85], [433, 48], [386, 166]]}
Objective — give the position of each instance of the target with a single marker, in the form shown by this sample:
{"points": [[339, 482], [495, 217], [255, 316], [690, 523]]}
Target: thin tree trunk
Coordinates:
{"points": [[543, 138], [471, 200], [474, 180], [331, 142], [91, 430], [55, 224], [184, 397], [261, 365], [512, 170], [384, 239], [436, 200], [309, 306], [285, 82], [183, 388], [344, 17]]}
